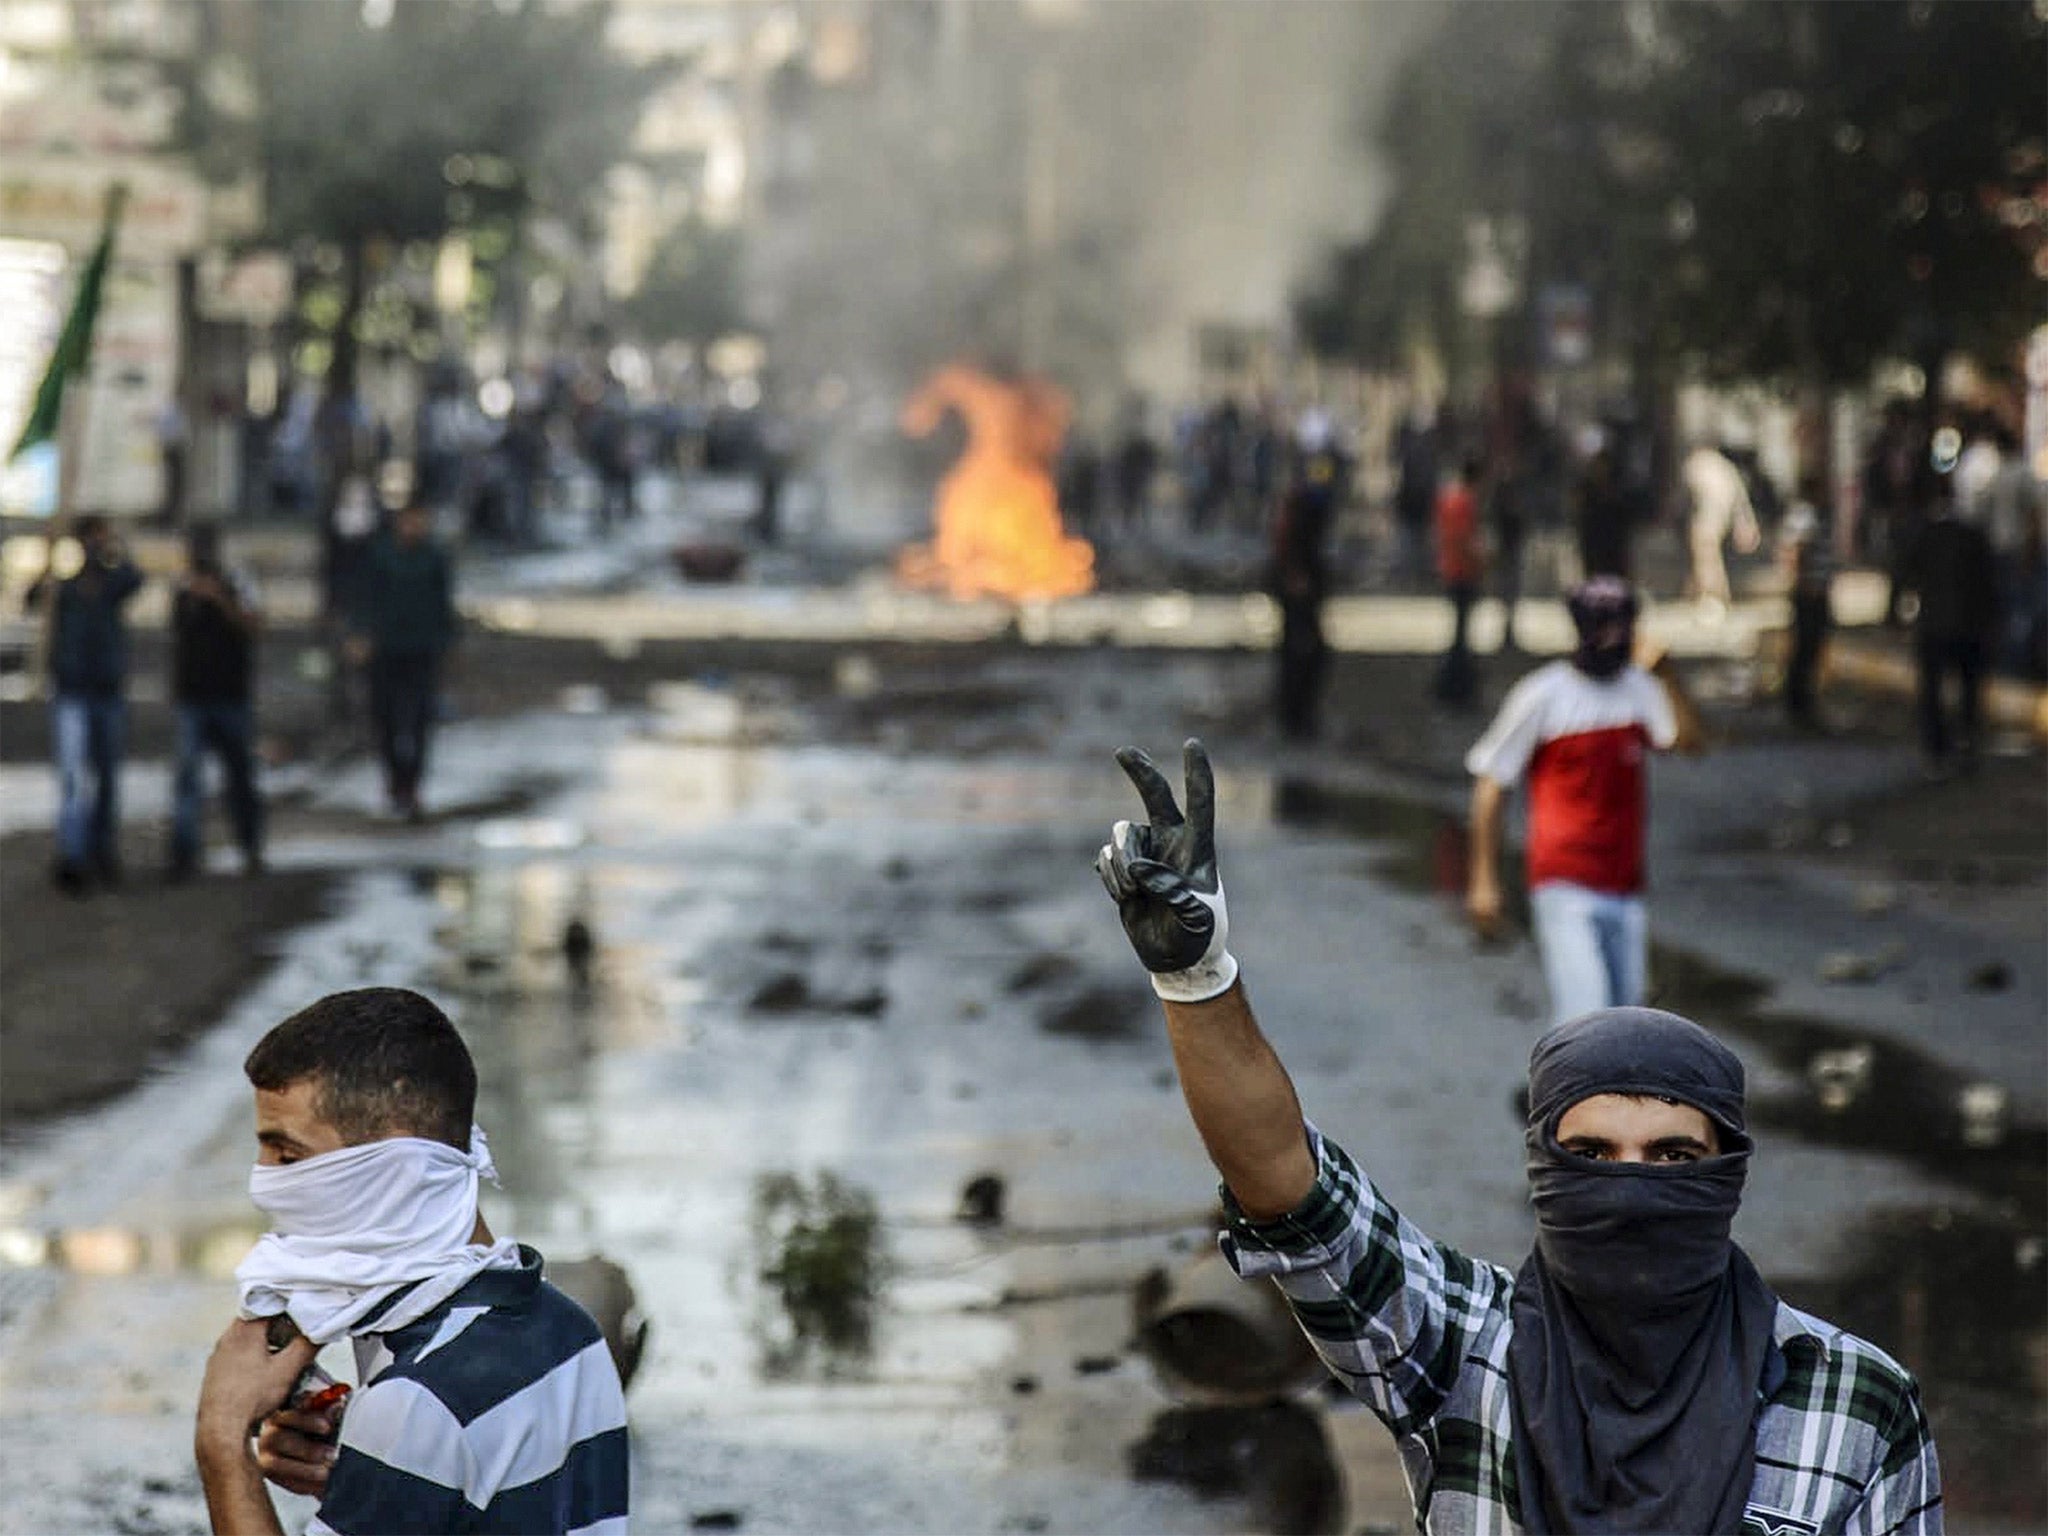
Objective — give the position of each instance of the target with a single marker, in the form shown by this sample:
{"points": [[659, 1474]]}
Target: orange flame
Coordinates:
{"points": [[998, 515]]}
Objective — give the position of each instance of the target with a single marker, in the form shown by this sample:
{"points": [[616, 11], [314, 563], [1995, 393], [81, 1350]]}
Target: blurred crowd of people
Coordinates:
{"points": [[1471, 503]]}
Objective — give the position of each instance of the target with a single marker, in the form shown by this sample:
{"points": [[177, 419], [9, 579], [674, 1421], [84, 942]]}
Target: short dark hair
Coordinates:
{"points": [[384, 1061]]}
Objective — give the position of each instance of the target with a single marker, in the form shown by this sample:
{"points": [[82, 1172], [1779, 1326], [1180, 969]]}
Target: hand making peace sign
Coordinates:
{"points": [[1163, 878]]}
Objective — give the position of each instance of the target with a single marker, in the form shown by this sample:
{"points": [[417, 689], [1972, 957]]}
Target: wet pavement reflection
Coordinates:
{"points": [[831, 1049]]}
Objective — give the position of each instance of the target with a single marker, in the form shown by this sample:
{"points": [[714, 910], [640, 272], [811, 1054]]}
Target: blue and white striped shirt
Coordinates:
{"points": [[499, 1411]]}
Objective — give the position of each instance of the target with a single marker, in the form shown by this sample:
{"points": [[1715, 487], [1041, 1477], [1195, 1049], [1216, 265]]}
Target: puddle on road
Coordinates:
{"points": [[820, 1256], [586, 1086], [1959, 1293], [1854, 1089]]}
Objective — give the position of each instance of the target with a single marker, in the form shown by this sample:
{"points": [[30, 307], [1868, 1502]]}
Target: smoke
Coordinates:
{"points": [[1246, 156], [1076, 185]]}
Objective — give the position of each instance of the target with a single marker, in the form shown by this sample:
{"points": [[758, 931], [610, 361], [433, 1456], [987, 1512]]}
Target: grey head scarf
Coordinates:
{"points": [[1640, 1331]]}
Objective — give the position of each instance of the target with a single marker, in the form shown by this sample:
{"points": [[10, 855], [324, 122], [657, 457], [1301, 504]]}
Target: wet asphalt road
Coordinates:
{"points": [[855, 932]]}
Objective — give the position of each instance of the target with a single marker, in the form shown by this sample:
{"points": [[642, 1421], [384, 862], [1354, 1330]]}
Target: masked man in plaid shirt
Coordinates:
{"points": [[1635, 1374]]}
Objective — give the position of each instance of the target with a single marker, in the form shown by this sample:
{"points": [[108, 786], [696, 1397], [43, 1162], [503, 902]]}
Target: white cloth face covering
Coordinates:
{"points": [[354, 1225]]}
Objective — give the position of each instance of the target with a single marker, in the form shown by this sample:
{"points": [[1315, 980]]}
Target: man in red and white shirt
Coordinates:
{"points": [[1581, 730]]}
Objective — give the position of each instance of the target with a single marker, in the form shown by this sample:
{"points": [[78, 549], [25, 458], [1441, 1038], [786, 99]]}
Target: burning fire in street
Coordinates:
{"points": [[998, 530]]}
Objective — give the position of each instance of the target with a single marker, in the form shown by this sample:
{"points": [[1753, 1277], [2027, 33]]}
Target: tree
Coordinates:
{"points": [[452, 114], [1783, 190], [692, 290]]}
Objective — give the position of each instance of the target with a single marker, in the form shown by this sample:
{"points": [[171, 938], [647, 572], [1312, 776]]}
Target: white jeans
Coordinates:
{"points": [[1594, 947]]}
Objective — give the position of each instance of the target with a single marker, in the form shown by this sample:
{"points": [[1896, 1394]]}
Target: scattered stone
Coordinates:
{"points": [[1876, 898], [782, 942], [1516, 1002], [1096, 1365], [981, 1201], [1839, 835], [897, 869], [708, 561], [1991, 976], [966, 1091], [1276, 1456], [869, 1004], [856, 676], [783, 993], [478, 962], [877, 947], [1024, 1386], [1983, 1107], [717, 1520], [601, 1288], [973, 1008], [1042, 969], [1845, 967], [1841, 1076], [1098, 1012], [1030, 1523], [1164, 1080]]}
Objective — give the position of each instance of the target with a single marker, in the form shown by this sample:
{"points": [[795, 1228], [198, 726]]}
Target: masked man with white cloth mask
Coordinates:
{"points": [[1635, 1374], [488, 1400]]}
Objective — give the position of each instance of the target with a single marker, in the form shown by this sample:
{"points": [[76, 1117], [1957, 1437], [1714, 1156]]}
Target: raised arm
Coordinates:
{"points": [[1163, 877], [1242, 1103], [1393, 1313]]}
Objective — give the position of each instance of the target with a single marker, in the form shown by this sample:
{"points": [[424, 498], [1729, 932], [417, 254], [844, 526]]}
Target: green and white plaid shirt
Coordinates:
{"points": [[1419, 1333]]}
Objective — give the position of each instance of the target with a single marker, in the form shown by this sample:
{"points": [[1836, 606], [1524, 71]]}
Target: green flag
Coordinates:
{"points": [[74, 342]]}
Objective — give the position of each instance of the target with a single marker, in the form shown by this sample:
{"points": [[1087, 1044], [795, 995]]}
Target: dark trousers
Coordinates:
{"points": [[1304, 656], [403, 693], [1457, 678], [1811, 621], [225, 730], [1939, 657], [1507, 577]]}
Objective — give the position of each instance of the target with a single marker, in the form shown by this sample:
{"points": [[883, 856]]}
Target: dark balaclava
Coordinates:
{"points": [[1640, 1330], [1604, 609]]}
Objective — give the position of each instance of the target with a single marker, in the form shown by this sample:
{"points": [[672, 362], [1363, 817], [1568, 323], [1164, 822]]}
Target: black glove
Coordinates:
{"points": [[1163, 878]]}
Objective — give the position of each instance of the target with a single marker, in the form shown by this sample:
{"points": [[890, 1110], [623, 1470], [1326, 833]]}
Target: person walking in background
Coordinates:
{"points": [[1137, 464], [1602, 517], [1580, 730], [88, 659], [1508, 502], [1301, 580], [1461, 566], [1894, 494], [214, 623], [1809, 572], [405, 625], [1952, 571], [1418, 459], [2011, 502], [1720, 506]]}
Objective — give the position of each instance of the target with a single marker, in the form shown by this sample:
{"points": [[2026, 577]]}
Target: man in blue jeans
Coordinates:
{"points": [[88, 651], [1580, 731], [214, 621]]}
